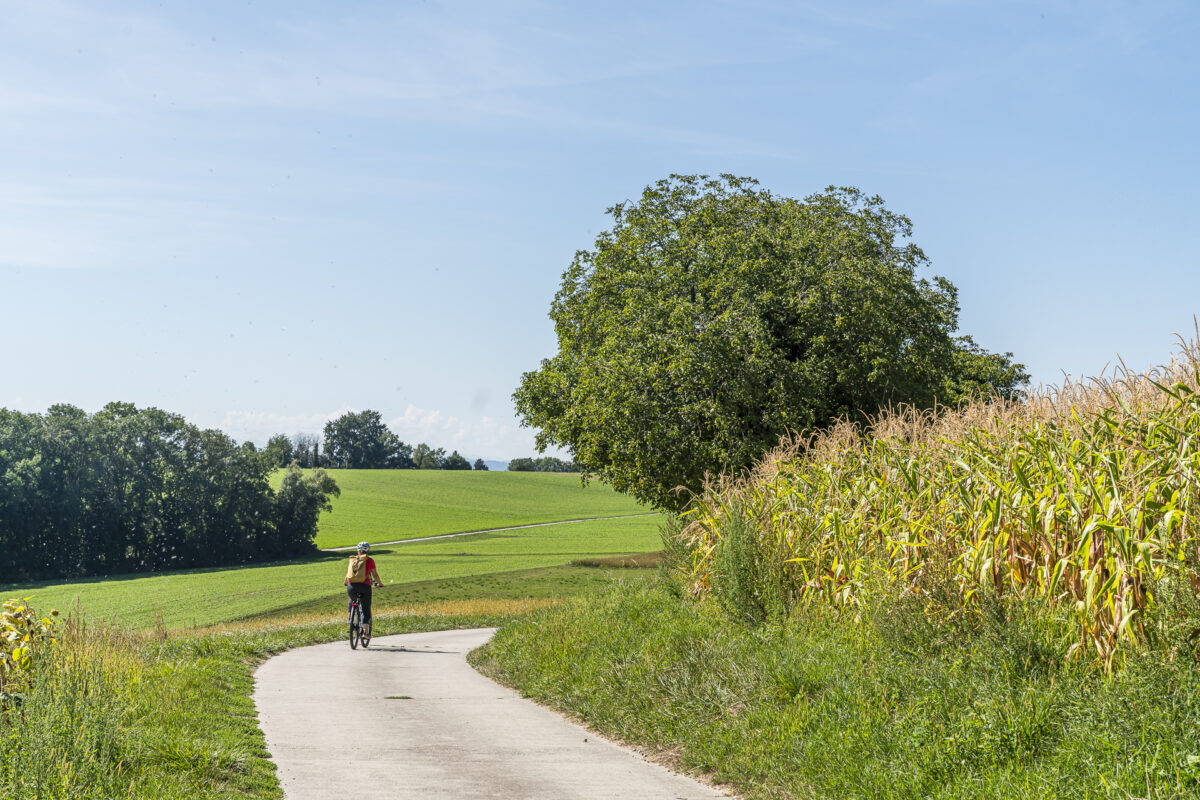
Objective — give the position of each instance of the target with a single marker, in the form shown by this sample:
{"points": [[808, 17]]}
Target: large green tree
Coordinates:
{"points": [[426, 457], [362, 441], [714, 317], [279, 451], [299, 502], [456, 461]]}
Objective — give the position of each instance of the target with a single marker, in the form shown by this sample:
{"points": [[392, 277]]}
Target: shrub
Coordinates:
{"points": [[23, 639]]}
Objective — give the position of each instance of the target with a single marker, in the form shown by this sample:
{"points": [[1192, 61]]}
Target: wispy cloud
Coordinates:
{"points": [[478, 437], [258, 426]]}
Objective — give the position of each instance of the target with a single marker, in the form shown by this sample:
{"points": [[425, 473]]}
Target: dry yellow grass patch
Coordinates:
{"points": [[440, 608]]}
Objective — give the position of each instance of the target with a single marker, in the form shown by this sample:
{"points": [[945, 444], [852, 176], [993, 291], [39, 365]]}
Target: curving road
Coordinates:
{"points": [[410, 718]]}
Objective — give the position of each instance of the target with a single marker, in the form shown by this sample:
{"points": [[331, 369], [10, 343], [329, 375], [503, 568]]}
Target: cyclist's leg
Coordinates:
{"points": [[354, 593], [366, 603]]}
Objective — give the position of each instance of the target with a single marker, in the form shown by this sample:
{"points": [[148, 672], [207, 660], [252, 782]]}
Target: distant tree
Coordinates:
{"points": [[304, 449], [479, 465], [419, 454], [362, 441], [455, 461], [552, 464], [141, 490], [543, 464], [279, 451], [298, 504], [426, 457]]}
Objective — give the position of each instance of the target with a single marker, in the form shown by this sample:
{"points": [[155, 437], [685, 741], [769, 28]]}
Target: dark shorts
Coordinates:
{"points": [[362, 593]]}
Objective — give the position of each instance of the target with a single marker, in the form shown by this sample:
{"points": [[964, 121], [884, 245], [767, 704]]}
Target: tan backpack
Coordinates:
{"points": [[356, 572]]}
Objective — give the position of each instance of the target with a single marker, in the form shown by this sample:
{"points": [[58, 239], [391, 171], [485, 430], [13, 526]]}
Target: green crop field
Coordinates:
{"points": [[203, 597], [382, 505]]}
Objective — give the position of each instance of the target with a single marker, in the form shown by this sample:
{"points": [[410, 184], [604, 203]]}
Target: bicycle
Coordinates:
{"points": [[358, 634]]}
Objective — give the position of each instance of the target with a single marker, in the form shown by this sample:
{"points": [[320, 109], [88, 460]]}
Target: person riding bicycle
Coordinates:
{"points": [[360, 575]]}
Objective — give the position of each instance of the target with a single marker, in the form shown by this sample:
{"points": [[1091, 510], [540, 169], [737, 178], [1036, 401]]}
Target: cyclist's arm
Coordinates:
{"points": [[374, 579]]}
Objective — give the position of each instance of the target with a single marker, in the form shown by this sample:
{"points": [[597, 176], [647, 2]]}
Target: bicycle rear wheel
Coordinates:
{"points": [[355, 625]]}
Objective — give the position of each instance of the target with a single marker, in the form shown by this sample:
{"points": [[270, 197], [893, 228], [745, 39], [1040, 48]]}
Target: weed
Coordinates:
{"points": [[881, 701]]}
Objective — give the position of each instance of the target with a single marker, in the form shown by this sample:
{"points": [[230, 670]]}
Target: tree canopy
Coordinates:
{"points": [[456, 461], [714, 317], [280, 451], [543, 464], [426, 457], [134, 490], [362, 441]]}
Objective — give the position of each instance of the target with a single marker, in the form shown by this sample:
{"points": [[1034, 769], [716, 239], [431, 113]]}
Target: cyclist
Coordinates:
{"points": [[360, 575]]}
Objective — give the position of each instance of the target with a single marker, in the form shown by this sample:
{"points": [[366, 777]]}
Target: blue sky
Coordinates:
{"points": [[261, 214]]}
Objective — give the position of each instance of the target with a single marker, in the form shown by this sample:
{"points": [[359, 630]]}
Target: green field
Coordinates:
{"points": [[382, 505], [203, 597]]}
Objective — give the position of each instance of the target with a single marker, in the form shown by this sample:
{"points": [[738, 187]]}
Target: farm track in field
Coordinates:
{"points": [[487, 530], [389, 505], [203, 597]]}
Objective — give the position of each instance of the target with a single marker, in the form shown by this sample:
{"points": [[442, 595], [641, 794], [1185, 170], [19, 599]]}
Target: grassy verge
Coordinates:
{"points": [[886, 706], [140, 714]]}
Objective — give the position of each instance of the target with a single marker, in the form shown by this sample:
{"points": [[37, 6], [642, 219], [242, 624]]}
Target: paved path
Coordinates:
{"points": [[333, 732]]}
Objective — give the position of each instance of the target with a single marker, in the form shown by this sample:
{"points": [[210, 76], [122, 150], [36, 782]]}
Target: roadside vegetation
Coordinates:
{"points": [[996, 601], [154, 714], [881, 703], [1081, 505]]}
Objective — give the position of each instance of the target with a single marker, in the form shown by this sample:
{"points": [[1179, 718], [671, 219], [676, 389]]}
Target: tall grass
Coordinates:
{"points": [[890, 705], [1081, 501], [115, 713], [155, 714]]}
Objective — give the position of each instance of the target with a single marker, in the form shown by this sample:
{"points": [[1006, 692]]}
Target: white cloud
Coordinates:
{"points": [[479, 437], [258, 426]]}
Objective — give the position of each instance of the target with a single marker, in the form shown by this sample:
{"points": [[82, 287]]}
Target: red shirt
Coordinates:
{"points": [[370, 569]]}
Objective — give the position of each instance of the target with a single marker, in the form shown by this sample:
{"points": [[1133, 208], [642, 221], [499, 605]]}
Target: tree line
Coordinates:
{"points": [[138, 490], [361, 440], [543, 464]]}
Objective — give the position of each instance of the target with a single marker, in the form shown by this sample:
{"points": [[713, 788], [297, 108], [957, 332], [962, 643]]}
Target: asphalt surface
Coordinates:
{"points": [[408, 717]]}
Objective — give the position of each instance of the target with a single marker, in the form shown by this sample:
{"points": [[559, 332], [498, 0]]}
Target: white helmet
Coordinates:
{"points": [[364, 547]]}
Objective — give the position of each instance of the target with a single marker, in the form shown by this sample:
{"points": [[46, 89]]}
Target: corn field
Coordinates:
{"points": [[1083, 500]]}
